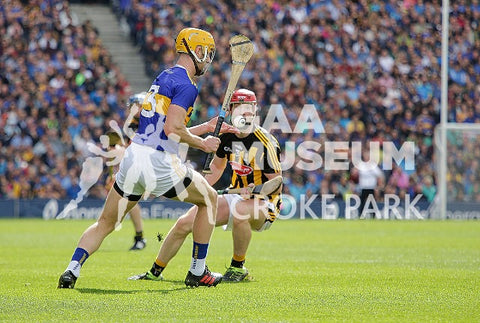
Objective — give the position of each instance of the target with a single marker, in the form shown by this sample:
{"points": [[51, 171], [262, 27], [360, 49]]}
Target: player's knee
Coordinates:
{"points": [[239, 219], [241, 215], [184, 224], [106, 224]]}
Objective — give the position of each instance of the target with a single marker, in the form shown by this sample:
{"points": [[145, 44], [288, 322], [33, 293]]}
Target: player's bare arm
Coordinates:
{"points": [[175, 126], [209, 126]]}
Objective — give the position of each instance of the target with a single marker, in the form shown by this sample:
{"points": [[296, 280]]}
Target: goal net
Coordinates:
{"points": [[461, 180]]}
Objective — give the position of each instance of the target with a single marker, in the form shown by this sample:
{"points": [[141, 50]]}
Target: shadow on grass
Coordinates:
{"points": [[136, 291], [239, 283], [152, 290]]}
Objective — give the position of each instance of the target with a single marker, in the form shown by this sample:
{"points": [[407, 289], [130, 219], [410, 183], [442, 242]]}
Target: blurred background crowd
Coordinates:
{"points": [[370, 68]]}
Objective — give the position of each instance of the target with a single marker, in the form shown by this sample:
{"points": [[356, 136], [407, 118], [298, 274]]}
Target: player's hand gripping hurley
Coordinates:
{"points": [[242, 50]]}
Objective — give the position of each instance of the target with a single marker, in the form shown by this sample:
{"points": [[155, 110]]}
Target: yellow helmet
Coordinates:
{"points": [[189, 38]]}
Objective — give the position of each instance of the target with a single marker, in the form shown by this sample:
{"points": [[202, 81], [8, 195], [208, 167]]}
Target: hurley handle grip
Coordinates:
{"points": [[218, 126]]}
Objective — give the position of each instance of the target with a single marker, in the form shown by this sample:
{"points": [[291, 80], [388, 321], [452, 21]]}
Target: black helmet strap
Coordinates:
{"points": [[197, 70]]}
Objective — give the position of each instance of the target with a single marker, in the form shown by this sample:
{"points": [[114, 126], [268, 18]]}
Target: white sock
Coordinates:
{"points": [[74, 266], [197, 267]]}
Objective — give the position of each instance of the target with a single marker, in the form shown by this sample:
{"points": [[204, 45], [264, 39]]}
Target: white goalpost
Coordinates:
{"points": [[442, 169]]}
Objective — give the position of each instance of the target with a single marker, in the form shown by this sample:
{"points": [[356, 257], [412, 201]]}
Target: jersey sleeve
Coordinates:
{"points": [[184, 95], [272, 157]]}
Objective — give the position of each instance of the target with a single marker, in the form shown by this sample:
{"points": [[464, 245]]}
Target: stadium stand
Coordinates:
{"points": [[372, 70], [59, 89]]}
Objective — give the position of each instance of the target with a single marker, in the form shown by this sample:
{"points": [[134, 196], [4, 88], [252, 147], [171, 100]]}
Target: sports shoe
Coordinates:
{"points": [[146, 276], [139, 244], [206, 279], [235, 274], [67, 280]]}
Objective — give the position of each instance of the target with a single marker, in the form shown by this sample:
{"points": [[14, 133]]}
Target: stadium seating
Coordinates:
{"points": [[372, 70]]}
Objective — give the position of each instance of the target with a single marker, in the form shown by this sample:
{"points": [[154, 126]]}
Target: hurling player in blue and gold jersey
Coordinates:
{"points": [[254, 157], [151, 165]]}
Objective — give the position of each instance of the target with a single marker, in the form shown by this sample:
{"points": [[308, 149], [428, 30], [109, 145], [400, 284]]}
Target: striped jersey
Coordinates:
{"points": [[172, 86], [251, 157]]}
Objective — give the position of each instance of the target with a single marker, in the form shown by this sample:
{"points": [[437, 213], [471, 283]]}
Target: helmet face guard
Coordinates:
{"points": [[196, 60], [207, 54], [188, 41], [244, 118]]}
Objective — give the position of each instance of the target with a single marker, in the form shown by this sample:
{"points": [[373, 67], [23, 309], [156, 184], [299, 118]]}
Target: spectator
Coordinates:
{"points": [[370, 180], [318, 52], [53, 72]]}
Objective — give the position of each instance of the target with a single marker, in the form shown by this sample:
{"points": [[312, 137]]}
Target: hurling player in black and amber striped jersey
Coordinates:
{"points": [[254, 155]]}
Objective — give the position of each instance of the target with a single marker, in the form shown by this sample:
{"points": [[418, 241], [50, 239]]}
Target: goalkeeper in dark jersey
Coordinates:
{"points": [[254, 157]]}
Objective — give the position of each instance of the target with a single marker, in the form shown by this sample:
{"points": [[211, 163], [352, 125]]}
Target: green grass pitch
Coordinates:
{"points": [[303, 271]]}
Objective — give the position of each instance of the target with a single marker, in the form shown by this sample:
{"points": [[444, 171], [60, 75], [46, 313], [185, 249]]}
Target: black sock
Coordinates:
{"points": [[238, 264], [156, 270], [138, 236]]}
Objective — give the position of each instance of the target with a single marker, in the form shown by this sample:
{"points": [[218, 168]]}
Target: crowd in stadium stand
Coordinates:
{"points": [[370, 68], [59, 89]]}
